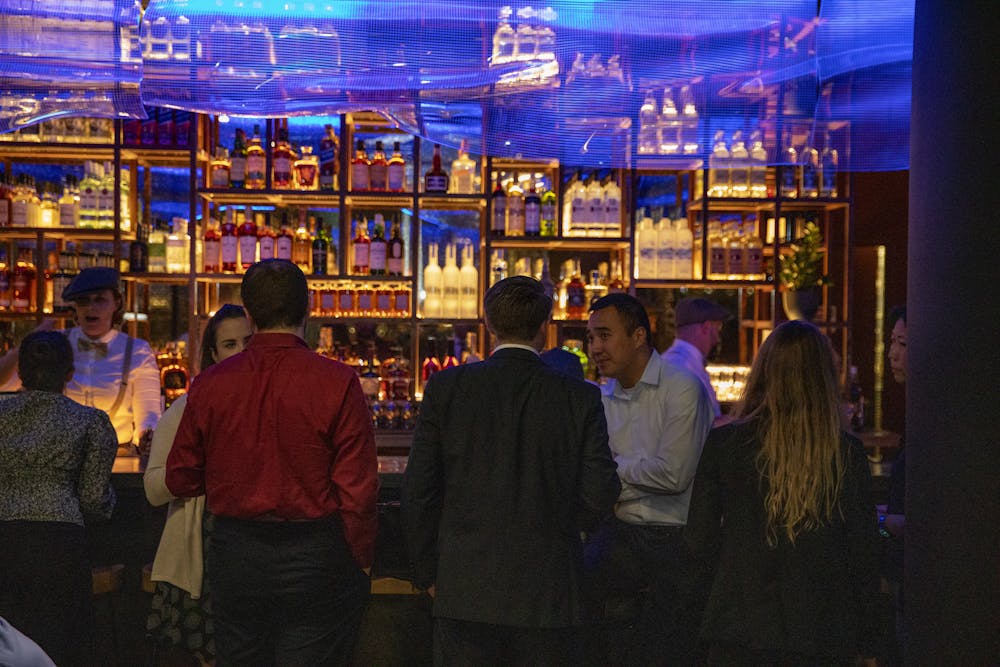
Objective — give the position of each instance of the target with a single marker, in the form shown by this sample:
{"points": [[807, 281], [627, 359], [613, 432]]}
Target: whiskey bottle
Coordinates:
{"points": [[283, 159], [266, 240], [463, 171], [548, 213], [221, 168], [138, 252], [361, 247], [360, 169], [436, 180], [718, 167], [320, 251], [329, 165], [302, 244], [377, 251], [532, 212], [396, 170], [498, 202], [395, 252], [284, 242], [238, 160], [256, 162], [515, 209], [212, 248], [306, 169], [247, 234], [378, 170], [6, 295], [69, 204]]}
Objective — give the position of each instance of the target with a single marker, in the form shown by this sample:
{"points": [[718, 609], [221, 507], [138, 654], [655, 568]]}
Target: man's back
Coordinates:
{"points": [[511, 457]]}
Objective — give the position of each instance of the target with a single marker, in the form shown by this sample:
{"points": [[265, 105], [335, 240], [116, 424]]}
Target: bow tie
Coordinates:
{"points": [[84, 345]]}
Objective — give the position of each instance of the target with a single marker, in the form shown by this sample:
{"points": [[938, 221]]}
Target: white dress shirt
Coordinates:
{"points": [[686, 355], [97, 378], [657, 430]]}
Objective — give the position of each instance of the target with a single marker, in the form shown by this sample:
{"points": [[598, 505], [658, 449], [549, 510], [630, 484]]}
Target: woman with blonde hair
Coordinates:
{"points": [[782, 513]]}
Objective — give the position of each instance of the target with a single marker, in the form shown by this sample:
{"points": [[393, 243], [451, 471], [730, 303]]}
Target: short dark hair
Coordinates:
{"points": [[44, 361], [276, 294], [228, 311], [896, 314], [630, 309], [516, 308]]}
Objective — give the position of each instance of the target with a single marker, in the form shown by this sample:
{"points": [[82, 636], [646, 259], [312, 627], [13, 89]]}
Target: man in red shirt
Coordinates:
{"points": [[280, 441]]}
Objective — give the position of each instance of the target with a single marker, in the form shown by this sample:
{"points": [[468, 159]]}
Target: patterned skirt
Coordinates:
{"points": [[178, 620]]}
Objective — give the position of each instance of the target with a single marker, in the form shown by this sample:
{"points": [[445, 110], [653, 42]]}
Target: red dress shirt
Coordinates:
{"points": [[279, 431]]}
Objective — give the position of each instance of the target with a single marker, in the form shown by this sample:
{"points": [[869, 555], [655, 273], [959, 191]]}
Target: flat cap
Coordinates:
{"points": [[695, 310], [91, 279]]}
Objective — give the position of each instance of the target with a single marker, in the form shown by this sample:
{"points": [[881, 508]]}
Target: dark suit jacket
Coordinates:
{"points": [[814, 597], [509, 461]]}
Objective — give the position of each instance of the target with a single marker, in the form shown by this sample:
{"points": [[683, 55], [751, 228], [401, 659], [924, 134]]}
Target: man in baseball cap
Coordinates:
{"points": [[699, 328]]}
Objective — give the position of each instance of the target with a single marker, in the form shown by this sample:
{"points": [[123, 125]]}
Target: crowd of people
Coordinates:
{"points": [[536, 506]]}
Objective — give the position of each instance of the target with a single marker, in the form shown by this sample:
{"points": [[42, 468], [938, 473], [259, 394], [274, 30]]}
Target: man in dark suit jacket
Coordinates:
{"points": [[509, 462]]}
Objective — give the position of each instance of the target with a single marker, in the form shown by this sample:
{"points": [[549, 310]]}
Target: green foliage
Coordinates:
{"points": [[803, 267]]}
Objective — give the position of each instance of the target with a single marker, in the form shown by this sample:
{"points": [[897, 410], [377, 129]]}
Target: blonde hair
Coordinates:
{"points": [[792, 393]]}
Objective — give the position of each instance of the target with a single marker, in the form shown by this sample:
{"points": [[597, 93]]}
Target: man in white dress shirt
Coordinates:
{"points": [[699, 326]]}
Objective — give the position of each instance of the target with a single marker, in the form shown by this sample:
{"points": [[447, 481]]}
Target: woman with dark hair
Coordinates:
{"points": [[181, 607], [55, 468], [782, 509]]}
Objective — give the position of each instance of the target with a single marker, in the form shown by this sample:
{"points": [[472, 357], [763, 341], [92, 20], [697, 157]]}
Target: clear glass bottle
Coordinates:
{"points": [[247, 235], [306, 170], [69, 204], [829, 161], [463, 171], [212, 248], [758, 166], [469, 285], [302, 244], [690, 144], [739, 167], [612, 207], [595, 206], [718, 167], [221, 168], [515, 208], [256, 173], [810, 172], [284, 242], [396, 169], [669, 125]]}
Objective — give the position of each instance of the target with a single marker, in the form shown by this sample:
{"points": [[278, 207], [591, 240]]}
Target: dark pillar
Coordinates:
{"points": [[952, 584]]}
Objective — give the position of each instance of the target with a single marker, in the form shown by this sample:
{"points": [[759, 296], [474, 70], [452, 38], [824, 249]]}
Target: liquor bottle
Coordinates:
{"points": [[178, 246], [377, 251], [829, 160], [247, 235], [329, 165], [378, 170], [515, 208], [88, 196], [266, 239], [256, 162], [106, 197], [789, 180], [449, 360], [360, 173], [23, 296], [684, 249], [371, 382], [616, 283], [396, 170], [463, 171], [576, 295], [229, 242], [810, 172], [612, 207], [436, 180], [395, 253], [469, 281], [6, 293], [284, 243], [138, 252], [320, 250], [451, 279], [716, 249], [221, 168], [595, 206], [669, 125], [532, 212], [578, 219], [238, 160], [157, 247], [430, 365], [548, 213], [69, 204], [5, 197], [498, 266], [433, 287], [498, 202], [646, 243], [753, 253], [647, 144], [61, 279], [306, 170], [283, 158], [739, 167], [666, 249], [212, 244], [302, 244], [735, 249], [758, 166], [689, 142], [718, 167], [362, 245]]}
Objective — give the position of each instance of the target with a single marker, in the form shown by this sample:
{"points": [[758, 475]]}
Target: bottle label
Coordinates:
{"points": [[265, 249], [397, 177], [576, 297], [19, 214], [67, 215], [238, 171], [220, 177], [755, 261], [717, 260], [383, 302], [229, 249], [612, 213], [597, 209], [515, 217], [248, 249], [532, 218], [361, 256], [213, 250], [255, 168], [346, 301], [401, 302], [328, 156], [282, 171], [735, 259], [377, 257], [365, 302], [436, 182], [327, 301], [395, 261], [360, 176], [319, 256], [283, 248], [379, 176], [4, 213], [499, 215]]}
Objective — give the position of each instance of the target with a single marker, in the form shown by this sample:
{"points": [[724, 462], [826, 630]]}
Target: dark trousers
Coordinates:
{"points": [[45, 589], [646, 571], [284, 593], [459, 643]]}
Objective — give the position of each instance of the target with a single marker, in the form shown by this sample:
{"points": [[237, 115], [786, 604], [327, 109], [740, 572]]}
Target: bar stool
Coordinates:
{"points": [[106, 583]]}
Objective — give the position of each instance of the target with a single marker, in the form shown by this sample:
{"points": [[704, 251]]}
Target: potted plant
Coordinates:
{"points": [[802, 275]]}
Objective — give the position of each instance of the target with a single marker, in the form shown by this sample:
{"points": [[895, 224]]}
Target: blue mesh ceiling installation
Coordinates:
{"points": [[590, 82]]}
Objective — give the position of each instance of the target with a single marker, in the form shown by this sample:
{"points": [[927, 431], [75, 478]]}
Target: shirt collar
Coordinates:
{"points": [[516, 346], [689, 350], [650, 376], [106, 338], [262, 339]]}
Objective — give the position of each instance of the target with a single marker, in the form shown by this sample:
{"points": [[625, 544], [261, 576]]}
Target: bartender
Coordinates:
{"points": [[111, 370]]}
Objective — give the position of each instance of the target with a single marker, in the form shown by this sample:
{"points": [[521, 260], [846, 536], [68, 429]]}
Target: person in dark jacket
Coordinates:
{"points": [[782, 503]]}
